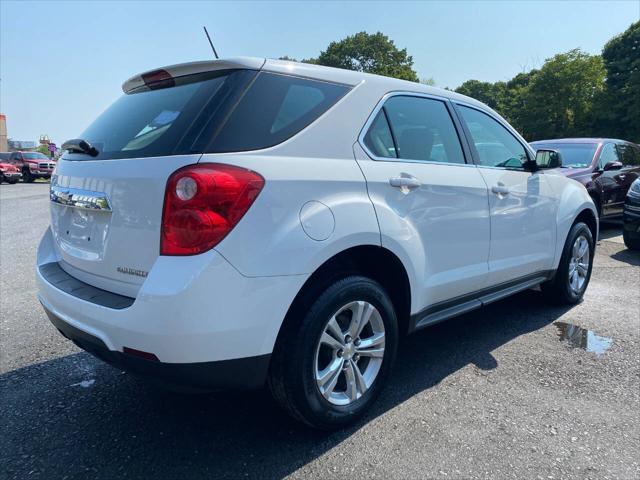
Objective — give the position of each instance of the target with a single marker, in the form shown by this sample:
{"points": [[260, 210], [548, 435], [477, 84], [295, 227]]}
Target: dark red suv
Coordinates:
{"points": [[605, 166], [32, 165]]}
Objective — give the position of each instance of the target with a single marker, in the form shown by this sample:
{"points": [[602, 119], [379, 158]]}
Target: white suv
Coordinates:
{"points": [[231, 223]]}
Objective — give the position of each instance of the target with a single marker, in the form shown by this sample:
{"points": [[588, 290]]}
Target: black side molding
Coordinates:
{"points": [[451, 308], [56, 276]]}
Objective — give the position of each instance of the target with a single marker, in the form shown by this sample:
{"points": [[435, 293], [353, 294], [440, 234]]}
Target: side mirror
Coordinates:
{"points": [[612, 166], [546, 159]]}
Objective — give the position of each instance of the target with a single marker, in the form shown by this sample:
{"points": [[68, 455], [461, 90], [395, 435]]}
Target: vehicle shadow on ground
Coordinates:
{"points": [[627, 256], [54, 425]]}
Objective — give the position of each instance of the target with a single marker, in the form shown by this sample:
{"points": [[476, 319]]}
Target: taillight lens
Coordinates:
{"points": [[202, 204]]}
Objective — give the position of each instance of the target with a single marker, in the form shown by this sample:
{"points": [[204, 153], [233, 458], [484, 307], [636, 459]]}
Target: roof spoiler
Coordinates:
{"points": [[182, 69]]}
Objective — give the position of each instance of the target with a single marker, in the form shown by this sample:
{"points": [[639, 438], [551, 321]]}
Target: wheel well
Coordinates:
{"points": [[596, 200], [589, 218], [371, 261]]}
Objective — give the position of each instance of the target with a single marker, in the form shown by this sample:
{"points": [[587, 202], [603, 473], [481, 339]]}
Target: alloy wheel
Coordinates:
{"points": [[579, 264], [349, 353]]}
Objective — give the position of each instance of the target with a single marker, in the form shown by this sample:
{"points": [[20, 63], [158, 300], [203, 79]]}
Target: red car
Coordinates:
{"points": [[32, 165], [9, 173], [606, 167]]}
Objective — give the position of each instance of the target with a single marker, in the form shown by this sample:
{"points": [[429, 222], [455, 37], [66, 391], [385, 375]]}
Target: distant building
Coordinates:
{"points": [[4, 147], [21, 145]]}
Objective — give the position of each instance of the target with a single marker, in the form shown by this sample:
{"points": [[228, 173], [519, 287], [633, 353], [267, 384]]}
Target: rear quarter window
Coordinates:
{"points": [[275, 108]]}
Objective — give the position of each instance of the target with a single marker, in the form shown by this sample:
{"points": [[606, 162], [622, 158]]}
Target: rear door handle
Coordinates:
{"points": [[405, 182], [500, 190]]}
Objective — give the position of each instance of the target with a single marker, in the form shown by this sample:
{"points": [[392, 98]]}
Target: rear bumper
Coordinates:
{"points": [[241, 373], [189, 310]]}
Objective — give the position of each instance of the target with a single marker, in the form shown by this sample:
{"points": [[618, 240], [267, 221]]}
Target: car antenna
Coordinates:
{"points": [[211, 43]]}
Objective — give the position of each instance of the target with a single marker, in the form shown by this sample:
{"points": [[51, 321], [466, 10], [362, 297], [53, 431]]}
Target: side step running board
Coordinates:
{"points": [[446, 310]]}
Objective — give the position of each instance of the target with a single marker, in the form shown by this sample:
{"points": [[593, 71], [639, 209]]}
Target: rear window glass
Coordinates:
{"points": [[224, 111], [160, 122], [574, 155]]}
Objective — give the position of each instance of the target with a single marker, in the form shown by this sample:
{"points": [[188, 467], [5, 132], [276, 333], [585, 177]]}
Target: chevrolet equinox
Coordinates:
{"points": [[242, 222]]}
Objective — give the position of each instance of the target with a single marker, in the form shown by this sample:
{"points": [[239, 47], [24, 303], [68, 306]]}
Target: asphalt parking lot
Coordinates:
{"points": [[494, 393]]}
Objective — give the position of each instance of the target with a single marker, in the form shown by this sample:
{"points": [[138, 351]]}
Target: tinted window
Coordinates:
{"points": [[628, 154], [161, 122], [275, 108], [495, 145], [423, 130], [574, 155], [608, 154], [223, 111], [378, 138]]}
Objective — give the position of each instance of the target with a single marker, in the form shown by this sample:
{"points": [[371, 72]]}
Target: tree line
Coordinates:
{"points": [[573, 94]]}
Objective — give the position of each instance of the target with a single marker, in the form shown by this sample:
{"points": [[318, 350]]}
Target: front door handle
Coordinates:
{"points": [[405, 182], [500, 190]]}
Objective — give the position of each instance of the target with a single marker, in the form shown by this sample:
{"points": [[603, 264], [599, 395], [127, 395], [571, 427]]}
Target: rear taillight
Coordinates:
{"points": [[202, 204]]}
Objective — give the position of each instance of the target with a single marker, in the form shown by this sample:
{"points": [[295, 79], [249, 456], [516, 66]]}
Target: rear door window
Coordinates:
{"points": [[418, 129], [627, 154], [378, 138]]}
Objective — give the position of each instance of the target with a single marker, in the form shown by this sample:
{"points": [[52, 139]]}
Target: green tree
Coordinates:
{"points": [[492, 94], [619, 106], [44, 149], [514, 103], [559, 101], [371, 53]]}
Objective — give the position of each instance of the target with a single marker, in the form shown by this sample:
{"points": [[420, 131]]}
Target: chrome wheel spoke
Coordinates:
{"points": [[334, 329], [331, 341], [360, 317], [372, 352], [583, 269], [582, 250], [354, 377], [372, 346], [328, 378], [361, 384]]}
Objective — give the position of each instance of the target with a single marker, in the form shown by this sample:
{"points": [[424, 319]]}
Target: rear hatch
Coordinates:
{"points": [[109, 189], [106, 209]]}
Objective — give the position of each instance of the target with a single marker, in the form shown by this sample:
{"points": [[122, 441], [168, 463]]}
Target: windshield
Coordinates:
{"points": [[35, 156], [574, 155]]}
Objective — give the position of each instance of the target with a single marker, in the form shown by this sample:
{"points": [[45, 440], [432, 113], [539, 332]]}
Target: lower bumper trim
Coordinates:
{"points": [[240, 373]]}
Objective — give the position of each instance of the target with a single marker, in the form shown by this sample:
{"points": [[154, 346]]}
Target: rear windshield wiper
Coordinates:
{"points": [[77, 145]]}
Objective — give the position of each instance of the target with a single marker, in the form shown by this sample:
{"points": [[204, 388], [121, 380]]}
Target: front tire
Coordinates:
{"points": [[329, 366], [574, 271]]}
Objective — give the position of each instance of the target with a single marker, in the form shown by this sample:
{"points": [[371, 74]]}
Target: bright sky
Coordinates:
{"points": [[62, 63]]}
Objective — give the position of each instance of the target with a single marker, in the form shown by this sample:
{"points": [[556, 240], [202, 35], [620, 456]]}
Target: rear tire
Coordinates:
{"points": [[319, 373], [630, 243], [572, 277]]}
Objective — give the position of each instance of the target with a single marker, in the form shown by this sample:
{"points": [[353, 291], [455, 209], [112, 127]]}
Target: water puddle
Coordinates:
{"points": [[578, 337]]}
